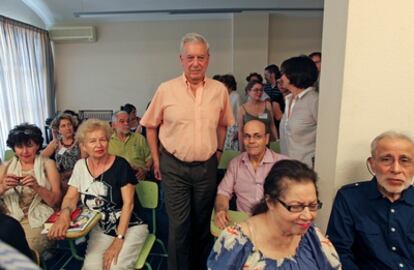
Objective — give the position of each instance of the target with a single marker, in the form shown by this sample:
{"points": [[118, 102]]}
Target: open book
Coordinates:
{"points": [[79, 223]]}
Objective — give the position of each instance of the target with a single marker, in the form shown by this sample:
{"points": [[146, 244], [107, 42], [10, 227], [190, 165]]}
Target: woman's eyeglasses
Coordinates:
{"points": [[297, 208]]}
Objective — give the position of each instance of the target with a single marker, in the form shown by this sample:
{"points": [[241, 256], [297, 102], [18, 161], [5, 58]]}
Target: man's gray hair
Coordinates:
{"points": [[115, 115], [193, 37], [390, 135]]}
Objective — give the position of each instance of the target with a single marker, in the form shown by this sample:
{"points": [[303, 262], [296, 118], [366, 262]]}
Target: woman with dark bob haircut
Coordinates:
{"points": [[29, 184], [280, 234], [299, 121]]}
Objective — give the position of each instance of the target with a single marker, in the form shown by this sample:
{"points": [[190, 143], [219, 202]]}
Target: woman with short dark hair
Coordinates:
{"points": [[29, 184], [299, 121], [280, 235]]}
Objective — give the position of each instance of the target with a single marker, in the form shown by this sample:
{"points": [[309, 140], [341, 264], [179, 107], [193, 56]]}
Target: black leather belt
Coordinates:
{"points": [[191, 164]]}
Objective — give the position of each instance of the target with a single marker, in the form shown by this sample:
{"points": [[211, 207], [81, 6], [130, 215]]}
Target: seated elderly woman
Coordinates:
{"points": [[64, 147], [280, 233], [29, 184], [104, 183]]}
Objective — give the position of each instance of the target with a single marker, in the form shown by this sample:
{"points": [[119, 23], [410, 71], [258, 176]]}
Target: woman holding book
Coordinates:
{"points": [[104, 183], [29, 184]]}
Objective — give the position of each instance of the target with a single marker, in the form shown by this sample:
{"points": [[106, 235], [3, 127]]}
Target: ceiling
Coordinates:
{"points": [[69, 12]]}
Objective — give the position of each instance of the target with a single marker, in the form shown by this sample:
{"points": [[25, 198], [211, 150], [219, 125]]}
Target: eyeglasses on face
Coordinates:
{"points": [[388, 160], [297, 208]]}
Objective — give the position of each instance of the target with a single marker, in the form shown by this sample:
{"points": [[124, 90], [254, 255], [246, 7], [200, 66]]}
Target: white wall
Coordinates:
{"points": [[16, 9], [292, 35], [129, 60]]}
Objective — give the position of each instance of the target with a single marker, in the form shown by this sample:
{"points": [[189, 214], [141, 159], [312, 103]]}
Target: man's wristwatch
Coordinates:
{"points": [[120, 237]]}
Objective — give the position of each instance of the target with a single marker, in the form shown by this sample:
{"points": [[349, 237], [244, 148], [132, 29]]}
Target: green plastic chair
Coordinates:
{"points": [[234, 216], [8, 154], [226, 157], [275, 146], [147, 192]]}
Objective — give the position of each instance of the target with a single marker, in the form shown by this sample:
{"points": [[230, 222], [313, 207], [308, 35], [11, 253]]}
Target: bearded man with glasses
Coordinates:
{"points": [[372, 222]]}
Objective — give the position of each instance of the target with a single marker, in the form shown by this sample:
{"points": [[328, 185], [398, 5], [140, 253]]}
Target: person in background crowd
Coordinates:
{"points": [[232, 141], [131, 146], [317, 58], [133, 118], [272, 75], [64, 147], [256, 108], [300, 119]]}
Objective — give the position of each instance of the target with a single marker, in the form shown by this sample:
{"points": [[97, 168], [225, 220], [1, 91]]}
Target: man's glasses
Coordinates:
{"points": [[297, 208], [388, 160]]}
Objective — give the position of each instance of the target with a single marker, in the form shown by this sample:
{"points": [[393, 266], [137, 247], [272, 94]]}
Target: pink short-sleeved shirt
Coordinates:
{"points": [[247, 184], [188, 124]]}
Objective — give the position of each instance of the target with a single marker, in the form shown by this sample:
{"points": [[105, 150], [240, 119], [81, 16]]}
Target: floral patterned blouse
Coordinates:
{"points": [[233, 250]]}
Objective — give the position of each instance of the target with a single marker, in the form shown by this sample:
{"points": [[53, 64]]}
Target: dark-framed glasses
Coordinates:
{"points": [[297, 208]]}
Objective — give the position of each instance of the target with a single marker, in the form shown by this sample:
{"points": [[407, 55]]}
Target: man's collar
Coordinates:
{"points": [[115, 136], [186, 82], [373, 193], [267, 158]]}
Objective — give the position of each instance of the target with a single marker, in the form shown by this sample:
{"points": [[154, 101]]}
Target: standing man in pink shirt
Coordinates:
{"points": [[192, 113], [246, 173]]}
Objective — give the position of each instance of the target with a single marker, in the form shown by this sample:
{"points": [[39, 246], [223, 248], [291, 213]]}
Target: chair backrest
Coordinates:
{"points": [[275, 146], [234, 216], [147, 192], [8, 154], [226, 157]]}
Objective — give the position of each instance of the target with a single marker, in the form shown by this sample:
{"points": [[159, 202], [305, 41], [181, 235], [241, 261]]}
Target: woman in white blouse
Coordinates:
{"points": [[299, 121]]}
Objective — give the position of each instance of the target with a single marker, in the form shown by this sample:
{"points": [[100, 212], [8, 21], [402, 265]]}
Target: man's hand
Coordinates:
{"points": [[218, 155], [140, 173], [157, 172], [221, 219], [111, 254]]}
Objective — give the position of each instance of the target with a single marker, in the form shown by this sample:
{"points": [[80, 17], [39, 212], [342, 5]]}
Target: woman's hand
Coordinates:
{"points": [[30, 181], [111, 254], [11, 181], [59, 229]]}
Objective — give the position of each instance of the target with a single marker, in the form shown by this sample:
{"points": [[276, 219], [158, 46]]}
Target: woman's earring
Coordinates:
{"points": [[369, 167]]}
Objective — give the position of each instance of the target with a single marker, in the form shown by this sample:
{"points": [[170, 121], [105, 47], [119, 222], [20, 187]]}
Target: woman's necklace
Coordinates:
{"points": [[67, 145]]}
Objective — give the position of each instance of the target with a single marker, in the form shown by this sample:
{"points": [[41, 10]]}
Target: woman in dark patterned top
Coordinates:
{"points": [[64, 147], [104, 183]]}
